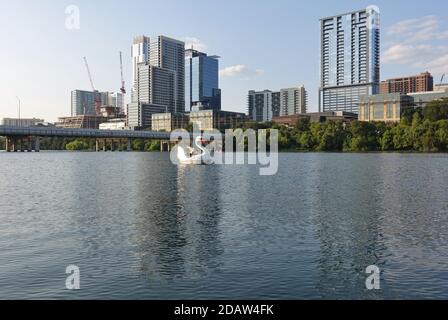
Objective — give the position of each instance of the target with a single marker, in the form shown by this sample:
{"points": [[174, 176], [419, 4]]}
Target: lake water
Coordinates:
{"points": [[139, 227]]}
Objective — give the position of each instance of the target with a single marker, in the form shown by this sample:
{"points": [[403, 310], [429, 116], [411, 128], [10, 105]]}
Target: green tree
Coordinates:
{"points": [[361, 136], [386, 140], [77, 145], [436, 110], [138, 145], [442, 135], [152, 145]]}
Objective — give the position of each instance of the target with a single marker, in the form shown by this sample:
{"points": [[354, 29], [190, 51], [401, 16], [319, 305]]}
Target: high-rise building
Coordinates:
{"points": [[154, 92], [201, 81], [140, 54], [350, 59], [293, 101], [422, 82], [169, 54], [113, 99], [275, 104], [84, 102], [155, 86], [117, 99], [159, 79], [263, 105]]}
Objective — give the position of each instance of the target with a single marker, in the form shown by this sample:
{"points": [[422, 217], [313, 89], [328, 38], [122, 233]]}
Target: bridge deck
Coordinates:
{"points": [[81, 133]]}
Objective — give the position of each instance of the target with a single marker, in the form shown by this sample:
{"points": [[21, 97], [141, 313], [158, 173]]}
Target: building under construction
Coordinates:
{"points": [[81, 122]]}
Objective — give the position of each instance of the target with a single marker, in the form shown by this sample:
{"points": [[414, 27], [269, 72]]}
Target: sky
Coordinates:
{"points": [[263, 44]]}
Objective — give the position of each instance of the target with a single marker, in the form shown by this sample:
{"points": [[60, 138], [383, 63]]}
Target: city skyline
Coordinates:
{"points": [[412, 42]]}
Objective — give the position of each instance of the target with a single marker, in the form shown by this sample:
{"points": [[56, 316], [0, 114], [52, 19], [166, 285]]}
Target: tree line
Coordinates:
{"points": [[420, 130]]}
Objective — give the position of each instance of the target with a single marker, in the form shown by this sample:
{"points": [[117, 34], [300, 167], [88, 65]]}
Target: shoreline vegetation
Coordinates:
{"points": [[419, 131]]}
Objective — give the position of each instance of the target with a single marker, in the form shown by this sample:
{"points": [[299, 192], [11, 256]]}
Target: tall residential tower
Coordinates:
{"points": [[293, 101], [350, 59], [263, 105], [159, 79], [169, 54]]}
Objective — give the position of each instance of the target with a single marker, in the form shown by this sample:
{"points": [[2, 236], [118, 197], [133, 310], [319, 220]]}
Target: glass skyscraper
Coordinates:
{"points": [[350, 59], [201, 81]]}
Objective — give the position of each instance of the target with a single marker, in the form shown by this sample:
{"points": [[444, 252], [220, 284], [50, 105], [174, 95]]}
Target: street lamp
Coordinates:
{"points": [[18, 99]]}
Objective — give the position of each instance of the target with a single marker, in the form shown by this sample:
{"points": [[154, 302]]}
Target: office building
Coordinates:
{"points": [[293, 101], [423, 82], [385, 107], [169, 121], [350, 59], [388, 107], [114, 124], [441, 87], [207, 120], [14, 122], [139, 115], [201, 81], [263, 105], [422, 99], [291, 120]]}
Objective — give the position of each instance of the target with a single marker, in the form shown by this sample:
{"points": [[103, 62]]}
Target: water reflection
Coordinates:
{"points": [[177, 226], [347, 220], [140, 227]]}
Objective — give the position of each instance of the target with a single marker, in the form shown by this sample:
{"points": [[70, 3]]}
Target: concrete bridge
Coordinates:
{"points": [[27, 138]]}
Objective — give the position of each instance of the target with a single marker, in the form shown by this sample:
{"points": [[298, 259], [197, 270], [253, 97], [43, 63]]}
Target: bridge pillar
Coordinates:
{"points": [[22, 145], [164, 146], [30, 145], [129, 146], [14, 145], [8, 144], [37, 144], [97, 145], [104, 145], [112, 145]]}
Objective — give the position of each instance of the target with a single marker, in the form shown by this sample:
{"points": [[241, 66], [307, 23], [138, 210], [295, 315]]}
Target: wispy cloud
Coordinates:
{"points": [[407, 53], [415, 30], [197, 44], [240, 70], [418, 43], [437, 66]]}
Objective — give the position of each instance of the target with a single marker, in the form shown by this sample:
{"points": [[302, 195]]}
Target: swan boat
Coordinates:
{"points": [[191, 156]]}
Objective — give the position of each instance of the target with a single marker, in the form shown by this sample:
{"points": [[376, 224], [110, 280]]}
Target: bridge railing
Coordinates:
{"points": [[81, 133]]}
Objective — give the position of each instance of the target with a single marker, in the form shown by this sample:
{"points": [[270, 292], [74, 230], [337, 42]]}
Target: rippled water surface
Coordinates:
{"points": [[140, 228]]}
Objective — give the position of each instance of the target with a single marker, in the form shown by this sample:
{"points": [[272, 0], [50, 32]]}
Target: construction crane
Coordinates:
{"points": [[123, 88], [97, 96], [441, 80]]}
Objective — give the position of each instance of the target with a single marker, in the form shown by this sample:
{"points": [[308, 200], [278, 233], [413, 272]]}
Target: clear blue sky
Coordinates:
{"points": [[263, 44]]}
